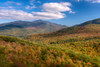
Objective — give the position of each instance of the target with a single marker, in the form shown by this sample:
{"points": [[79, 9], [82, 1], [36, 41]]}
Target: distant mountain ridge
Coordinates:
{"points": [[23, 28], [24, 24], [86, 27], [92, 26], [95, 21]]}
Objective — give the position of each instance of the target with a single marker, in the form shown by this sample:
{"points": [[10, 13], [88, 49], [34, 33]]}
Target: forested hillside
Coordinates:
{"points": [[16, 52], [77, 46]]}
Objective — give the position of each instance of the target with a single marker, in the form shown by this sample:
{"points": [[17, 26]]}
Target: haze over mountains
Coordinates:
{"points": [[24, 28]]}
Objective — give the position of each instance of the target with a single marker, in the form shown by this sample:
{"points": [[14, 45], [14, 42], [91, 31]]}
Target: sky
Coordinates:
{"points": [[65, 12]]}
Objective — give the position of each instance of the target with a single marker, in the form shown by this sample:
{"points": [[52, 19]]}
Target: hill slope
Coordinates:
{"points": [[15, 52], [92, 26], [95, 21], [23, 28]]}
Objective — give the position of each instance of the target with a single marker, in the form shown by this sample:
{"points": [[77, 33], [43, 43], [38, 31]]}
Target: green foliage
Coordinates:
{"points": [[84, 52], [78, 50], [16, 40], [3, 61]]}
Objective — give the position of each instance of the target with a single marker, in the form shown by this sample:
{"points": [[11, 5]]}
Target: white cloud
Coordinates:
{"points": [[11, 2], [6, 7], [93, 1], [48, 15], [53, 10], [71, 12], [30, 7], [21, 15], [10, 7], [56, 7], [49, 11], [15, 15]]}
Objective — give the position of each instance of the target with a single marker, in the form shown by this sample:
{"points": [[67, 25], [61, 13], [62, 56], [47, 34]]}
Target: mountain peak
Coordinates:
{"points": [[27, 28], [39, 20]]}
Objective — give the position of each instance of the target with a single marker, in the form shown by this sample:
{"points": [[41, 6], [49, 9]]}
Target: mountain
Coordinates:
{"points": [[71, 34], [92, 26], [95, 21], [24, 28]]}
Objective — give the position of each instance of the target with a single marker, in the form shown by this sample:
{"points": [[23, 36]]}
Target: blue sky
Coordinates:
{"points": [[65, 12]]}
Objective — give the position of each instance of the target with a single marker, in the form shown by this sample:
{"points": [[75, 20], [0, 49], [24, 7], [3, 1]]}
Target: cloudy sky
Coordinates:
{"points": [[66, 12]]}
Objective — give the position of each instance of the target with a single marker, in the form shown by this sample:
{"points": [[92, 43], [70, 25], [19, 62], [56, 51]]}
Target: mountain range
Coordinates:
{"points": [[92, 26], [24, 28]]}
